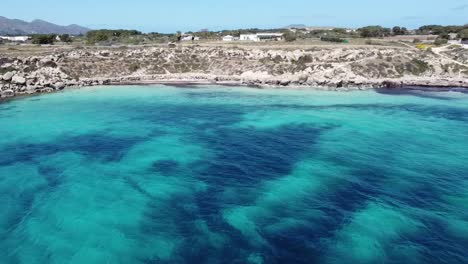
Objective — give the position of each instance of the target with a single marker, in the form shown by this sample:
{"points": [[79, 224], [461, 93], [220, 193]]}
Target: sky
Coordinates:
{"points": [[194, 15]]}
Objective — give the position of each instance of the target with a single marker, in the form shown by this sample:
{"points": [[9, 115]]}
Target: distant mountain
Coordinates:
{"points": [[20, 27]]}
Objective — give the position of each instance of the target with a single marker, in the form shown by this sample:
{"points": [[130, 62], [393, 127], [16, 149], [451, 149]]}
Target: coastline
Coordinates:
{"points": [[182, 83], [338, 86], [333, 68]]}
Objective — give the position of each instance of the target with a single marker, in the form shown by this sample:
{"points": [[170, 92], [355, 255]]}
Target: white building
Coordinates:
{"points": [[270, 36], [230, 38], [15, 38], [248, 37], [189, 38], [452, 36], [261, 36]]}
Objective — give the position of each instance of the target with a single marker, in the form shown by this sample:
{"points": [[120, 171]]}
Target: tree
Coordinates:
{"points": [[374, 32], [339, 30], [43, 39], [95, 36], [399, 31], [66, 38], [332, 39], [289, 36], [178, 36], [463, 34]]}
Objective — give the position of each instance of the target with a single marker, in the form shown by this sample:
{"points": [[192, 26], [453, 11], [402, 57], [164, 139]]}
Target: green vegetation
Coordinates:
{"points": [[463, 34], [289, 36], [5, 70], [332, 39], [440, 30], [338, 35], [66, 38], [374, 32], [417, 66], [440, 41], [397, 31], [104, 35], [43, 39], [134, 67]]}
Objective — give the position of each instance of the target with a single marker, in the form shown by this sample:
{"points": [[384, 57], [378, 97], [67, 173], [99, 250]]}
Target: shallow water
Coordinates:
{"points": [[234, 175]]}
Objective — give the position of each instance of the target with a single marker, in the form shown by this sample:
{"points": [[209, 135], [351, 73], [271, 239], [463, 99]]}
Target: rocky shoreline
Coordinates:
{"points": [[345, 70]]}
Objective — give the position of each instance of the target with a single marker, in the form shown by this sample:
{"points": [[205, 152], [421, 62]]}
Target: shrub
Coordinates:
{"points": [[95, 36], [43, 39], [133, 67], [374, 31], [332, 39], [66, 38], [440, 41], [418, 67], [304, 59], [289, 36], [463, 34], [421, 46]]}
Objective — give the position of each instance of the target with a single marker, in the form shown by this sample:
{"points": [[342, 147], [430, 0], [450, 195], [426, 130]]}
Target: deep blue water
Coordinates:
{"points": [[161, 174]]}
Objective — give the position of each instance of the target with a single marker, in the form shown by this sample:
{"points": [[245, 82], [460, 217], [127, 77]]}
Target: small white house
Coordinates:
{"points": [[452, 36], [249, 37], [189, 38], [270, 36], [15, 38], [230, 38], [262, 37]]}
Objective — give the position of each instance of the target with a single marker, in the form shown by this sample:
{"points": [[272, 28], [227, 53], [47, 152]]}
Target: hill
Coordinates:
{"points": [[20, 27]]}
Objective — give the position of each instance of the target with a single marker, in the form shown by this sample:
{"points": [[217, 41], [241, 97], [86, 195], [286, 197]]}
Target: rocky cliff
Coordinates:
{"points": [[333, 67]]}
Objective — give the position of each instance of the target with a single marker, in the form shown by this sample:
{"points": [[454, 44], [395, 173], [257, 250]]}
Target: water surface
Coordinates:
{"points": [[160, 174]]}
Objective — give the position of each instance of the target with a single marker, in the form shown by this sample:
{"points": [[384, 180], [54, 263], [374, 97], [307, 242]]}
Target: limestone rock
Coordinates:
{"points": [[18, 79], [7, 76], [47, 90], [59, 85], [285, 82], [46, 62], [7, 93]]}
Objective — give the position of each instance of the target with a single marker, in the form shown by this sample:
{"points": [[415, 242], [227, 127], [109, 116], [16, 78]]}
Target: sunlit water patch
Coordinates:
{"points": [[160, 174]]}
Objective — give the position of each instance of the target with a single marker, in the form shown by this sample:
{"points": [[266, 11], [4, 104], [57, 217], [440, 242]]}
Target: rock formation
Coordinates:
{"points": [[335, 67]]}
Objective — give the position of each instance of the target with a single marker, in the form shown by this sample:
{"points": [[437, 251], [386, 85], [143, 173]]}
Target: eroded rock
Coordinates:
{"points": [[7, 93], [7, 76], [18, 79]]}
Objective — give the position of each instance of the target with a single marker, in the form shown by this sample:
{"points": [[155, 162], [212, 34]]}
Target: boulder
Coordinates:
{"points": [[59, 85], [284, 82], [47, 90], [46, 62], [7, 76], [7, 93], [18, 79], [32, 87]]}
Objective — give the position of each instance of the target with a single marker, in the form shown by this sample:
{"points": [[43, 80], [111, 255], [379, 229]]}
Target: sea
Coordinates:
{"points": [[214, 174]]}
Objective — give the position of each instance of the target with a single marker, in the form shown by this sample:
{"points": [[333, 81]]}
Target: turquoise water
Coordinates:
{"points": [[234, 175]]}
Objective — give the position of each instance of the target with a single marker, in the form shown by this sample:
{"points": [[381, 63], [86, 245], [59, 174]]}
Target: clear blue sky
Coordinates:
{"points": [[185, 15]]}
